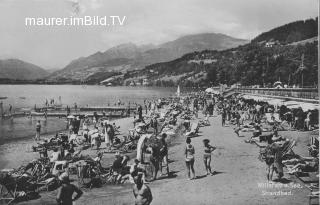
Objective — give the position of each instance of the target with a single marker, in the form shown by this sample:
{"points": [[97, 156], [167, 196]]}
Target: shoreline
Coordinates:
{"points": [[238, 170], [9, 149]]}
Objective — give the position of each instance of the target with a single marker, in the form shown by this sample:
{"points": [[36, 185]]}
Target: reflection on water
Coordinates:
{"points": [[27, 96], [24, 127], [70, 94]]}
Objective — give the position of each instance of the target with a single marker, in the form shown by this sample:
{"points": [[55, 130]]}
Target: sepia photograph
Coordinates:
{"points": [[145, 102]]}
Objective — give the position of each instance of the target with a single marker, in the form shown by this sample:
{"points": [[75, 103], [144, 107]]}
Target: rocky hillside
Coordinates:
{"points": [[128, 57], [19, 70]]}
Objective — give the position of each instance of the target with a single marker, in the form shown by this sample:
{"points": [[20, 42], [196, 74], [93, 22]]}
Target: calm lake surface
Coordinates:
{"points": [[27, 96]]}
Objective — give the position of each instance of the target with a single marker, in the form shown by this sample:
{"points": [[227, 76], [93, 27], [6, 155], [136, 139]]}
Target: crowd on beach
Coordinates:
{"points": [[153, 121]]}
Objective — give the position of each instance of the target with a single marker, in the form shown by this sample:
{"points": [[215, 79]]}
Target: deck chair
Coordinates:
{"points": [[194, 129], [287, 148], [12, 187], [116, 129], [8, 189]]}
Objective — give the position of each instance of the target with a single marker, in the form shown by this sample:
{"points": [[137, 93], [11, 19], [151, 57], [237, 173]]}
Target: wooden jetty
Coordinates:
{"points": [[61, 112], [61, 115], [106, 109], [93, 109]]}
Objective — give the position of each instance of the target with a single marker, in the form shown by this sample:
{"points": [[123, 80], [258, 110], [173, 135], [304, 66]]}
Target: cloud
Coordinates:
{"points": [[147, 22]]}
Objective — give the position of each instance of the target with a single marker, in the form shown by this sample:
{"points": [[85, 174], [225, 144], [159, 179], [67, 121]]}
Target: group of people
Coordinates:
{"points": [[190, 157]]}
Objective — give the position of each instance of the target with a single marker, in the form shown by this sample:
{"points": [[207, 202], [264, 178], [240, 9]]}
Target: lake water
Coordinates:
{"points": [[26, 96]]}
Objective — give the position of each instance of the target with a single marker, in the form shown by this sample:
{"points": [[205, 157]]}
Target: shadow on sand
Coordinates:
{"points": [[217, 172], [282, 180], [171, 175]]}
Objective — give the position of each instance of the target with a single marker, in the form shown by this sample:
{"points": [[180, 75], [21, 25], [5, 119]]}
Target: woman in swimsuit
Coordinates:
{"points": [[207, 156], [189, 154]]}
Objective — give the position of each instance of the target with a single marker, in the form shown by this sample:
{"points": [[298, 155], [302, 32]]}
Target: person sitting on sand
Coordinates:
{"points": [[119, 166], [136, 169], [207, 156], [257, 132], [189, 154], [206, 119], [55, 156], [141, 192]]}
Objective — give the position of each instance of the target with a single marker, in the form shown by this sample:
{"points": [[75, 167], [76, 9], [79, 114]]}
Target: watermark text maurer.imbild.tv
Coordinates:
{"points": [[76, 21]]}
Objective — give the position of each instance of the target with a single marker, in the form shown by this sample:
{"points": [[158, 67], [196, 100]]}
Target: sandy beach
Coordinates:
{"points": [[239, 173]]}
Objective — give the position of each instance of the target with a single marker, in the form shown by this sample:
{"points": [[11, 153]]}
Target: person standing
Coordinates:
{"points": [[109, 134], [141, 191], [38, 130], [140, 113], [307, 121], [155, 126], [164, 153], [237, 116], [75, 107], [146, 107], [68, 110], [207, 156], [189, 154], [45, 113], [66, 191], [10, 109], [1, 109], [223, 117]]}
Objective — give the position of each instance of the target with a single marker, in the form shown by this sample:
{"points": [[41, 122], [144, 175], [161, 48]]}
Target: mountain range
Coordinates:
{"points": [[189, 58], [128, 57]]}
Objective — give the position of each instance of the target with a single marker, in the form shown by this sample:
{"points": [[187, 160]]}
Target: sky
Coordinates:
{"points": [[146, 21]]}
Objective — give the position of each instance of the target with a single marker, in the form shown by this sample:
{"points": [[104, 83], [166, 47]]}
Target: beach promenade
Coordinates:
{"points": [[239, 173]]}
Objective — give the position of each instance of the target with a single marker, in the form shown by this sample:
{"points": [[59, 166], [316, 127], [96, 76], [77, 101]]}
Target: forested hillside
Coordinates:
{"points": [[256, 63], [292, 32]]}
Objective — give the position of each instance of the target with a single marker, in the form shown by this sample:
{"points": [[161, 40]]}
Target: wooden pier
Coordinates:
{"points": [[61, 112]]}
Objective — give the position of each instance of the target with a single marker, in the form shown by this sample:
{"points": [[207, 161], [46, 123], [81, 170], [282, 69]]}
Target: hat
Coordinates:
{"points": [[206, 141], [64, 177]]}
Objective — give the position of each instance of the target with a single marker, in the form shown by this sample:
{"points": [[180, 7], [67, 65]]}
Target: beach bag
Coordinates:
{"points": [[189, 158]]}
